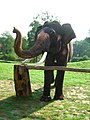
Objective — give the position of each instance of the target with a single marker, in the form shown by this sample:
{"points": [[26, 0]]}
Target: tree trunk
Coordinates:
{"points": [[22, 81]]}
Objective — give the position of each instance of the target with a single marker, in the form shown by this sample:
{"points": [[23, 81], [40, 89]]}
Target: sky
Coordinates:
{"points": [[20, 13]]}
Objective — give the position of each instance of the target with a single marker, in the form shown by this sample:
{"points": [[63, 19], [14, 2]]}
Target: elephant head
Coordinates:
{"points": [[49, 38]]}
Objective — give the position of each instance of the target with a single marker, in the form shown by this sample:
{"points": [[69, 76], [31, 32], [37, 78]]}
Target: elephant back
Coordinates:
{"points": [[54, 25]]}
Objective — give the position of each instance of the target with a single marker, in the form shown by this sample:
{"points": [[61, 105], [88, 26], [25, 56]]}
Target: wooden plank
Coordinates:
{"points": [[87, 70]]}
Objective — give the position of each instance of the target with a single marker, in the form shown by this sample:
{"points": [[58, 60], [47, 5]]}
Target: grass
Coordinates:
{"points": [[75, 106]]}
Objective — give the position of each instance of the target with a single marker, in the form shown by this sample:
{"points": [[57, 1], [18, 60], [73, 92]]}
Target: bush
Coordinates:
{"points": [[77, 59], [85, 57], [10, 57]]}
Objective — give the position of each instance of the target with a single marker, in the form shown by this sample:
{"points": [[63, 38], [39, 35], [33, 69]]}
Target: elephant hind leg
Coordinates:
{"points": [[59, 86], [61, 97]]}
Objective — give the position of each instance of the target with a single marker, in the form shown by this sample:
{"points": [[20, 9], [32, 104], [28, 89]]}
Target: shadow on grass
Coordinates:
{"points": [[17, 108]]}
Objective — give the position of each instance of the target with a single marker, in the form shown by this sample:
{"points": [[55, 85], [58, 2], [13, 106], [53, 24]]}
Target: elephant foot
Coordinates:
{"points": [[45, 99], [61, 97]]}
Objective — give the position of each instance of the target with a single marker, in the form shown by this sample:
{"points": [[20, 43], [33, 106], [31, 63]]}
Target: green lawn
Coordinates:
{"points": [[75, 106]]}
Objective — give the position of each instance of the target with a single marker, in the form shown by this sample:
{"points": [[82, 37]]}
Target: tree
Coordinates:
{"points": [[45, 16], [88, 39], [24, 43], [81, 50], [31, 33], [7, 42]]}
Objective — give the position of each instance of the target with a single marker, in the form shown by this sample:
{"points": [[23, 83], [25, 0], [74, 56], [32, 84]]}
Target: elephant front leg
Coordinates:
{"points": [[59, 86], [46, 93], [48, 79]]}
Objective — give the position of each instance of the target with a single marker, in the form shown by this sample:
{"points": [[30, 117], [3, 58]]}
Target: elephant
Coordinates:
{"points": [[55, 39]]}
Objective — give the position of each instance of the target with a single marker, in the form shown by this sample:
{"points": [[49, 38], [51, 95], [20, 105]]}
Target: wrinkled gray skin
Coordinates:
{"points": [[55, 40]]}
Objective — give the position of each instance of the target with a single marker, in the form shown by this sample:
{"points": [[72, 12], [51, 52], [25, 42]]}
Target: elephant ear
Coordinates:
{"points": [[67, 33]]}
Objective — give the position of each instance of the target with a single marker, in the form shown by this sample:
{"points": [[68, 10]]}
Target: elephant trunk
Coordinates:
{"points": [[34, 51]]}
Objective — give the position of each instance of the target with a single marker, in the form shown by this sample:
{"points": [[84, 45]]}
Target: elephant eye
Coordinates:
{"points": [[52, 32]]}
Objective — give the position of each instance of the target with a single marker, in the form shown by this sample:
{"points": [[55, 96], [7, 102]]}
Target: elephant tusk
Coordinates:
{"points": [[42, 59], [38, 63], [25, 61]]}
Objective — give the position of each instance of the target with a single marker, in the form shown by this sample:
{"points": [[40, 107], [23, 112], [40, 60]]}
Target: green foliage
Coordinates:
{"points": [[31, 33], [46, 16], [77, 59], [88, 39], [7, 50], [7, 42], [81, 50], [24, 43], [9, 56]]}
